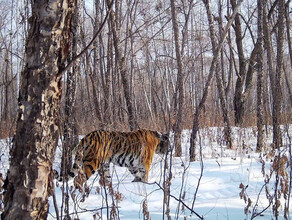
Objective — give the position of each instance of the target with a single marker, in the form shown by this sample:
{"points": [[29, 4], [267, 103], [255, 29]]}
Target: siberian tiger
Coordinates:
{"points": [[133, 150]]}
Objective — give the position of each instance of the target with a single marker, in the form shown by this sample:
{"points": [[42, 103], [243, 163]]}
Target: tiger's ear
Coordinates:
{"points": [[161, 135], [166, 136]]}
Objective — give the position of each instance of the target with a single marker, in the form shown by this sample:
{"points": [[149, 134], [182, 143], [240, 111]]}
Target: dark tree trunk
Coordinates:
{"points": [[70, 130], [177, 127], [107, 97], [245, 74], [270, 55], [223, 102], [277, 92], [238, 102], [260, 88], [290, 54], [95, 99], [29, 179]]}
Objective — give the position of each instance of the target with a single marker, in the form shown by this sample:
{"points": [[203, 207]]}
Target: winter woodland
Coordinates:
{"points": [[214, 75]]}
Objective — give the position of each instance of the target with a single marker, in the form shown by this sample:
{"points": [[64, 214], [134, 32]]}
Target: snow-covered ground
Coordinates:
{"points": [[218, 195]]}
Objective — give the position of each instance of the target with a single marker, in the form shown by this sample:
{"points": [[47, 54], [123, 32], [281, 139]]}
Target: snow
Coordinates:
{"points": [[218, 195]]}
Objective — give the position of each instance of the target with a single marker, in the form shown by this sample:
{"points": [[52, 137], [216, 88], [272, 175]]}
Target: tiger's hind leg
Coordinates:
{"points": [[82, 172], [104, 173]]}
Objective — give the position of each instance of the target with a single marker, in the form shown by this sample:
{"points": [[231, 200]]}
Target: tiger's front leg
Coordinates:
{"points": [[79, 180], [140, 174], [104, 173]]}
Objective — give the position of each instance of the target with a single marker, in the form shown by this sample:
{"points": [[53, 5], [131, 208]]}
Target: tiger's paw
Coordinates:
{"points": [[57, 176], [105, 181], [137, 179], [60, 178]]}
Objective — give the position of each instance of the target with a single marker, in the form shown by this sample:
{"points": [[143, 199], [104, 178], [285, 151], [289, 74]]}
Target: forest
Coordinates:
{"points": [[214, 75]]}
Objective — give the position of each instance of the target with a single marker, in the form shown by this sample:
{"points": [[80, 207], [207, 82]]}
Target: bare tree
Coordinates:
{"points": [[122, 67], [288, 84], [211, 72], [221, 91], [70, 138], [246, 69], [277, 91], [177, 127], [238, 103], [29, 180], [260, 91]]}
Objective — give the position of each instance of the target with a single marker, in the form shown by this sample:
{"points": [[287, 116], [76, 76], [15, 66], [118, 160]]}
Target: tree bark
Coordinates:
{"points": [[270, 56], [177, 127], [70, 130], [29, 179], [277, 92], [238, 103], [290, 54], [260, 89], [107, 95]]}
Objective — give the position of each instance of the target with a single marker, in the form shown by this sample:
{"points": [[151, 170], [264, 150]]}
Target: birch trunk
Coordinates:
{"points": [[29, 179]]}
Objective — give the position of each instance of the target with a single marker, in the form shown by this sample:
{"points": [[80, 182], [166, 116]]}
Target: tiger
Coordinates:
{"points": [[134, 150]]}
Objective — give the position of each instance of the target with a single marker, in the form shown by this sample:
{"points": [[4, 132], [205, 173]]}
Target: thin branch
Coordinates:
{"points": [[179, 200], [254, 211], [55, 204], [201, 174]]}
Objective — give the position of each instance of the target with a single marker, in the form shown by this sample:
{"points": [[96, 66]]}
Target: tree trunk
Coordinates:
{"points": [[238, 103], [245, 74], [29, 179], [290, 54], [95, 99], [122, 67], [6, 88], [260, 89], [277, 92], [270, 58], [214, 63], [70, 130], [107, 97], [177, 127], [223, 102], [221, 92]]}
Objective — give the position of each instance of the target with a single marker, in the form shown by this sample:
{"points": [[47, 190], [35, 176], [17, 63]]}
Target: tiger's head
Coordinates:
{"points": [[163, 146]]}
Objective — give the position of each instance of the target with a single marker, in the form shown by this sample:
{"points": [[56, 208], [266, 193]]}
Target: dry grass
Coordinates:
{"points": [[160, 123]]}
